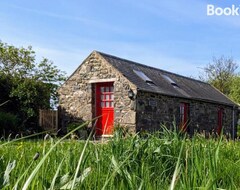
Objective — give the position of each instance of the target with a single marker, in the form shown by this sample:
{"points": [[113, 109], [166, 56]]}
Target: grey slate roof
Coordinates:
{"points": [[163, 82]]}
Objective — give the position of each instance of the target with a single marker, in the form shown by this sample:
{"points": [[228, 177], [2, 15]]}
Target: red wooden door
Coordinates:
{"points": [[104, 108]]}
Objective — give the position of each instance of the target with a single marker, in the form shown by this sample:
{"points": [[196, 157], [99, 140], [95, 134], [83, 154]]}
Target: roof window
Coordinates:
{"points": [[168, 79], [143, 76]]}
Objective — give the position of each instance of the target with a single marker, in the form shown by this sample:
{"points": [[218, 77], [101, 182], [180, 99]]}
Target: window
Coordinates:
{"points": [[220, 120], [184, 116], [169, 80], [143, 76], [107, 96]]}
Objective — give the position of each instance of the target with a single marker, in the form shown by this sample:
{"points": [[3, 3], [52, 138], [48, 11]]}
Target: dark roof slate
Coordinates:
{"points": [[184, 87]]}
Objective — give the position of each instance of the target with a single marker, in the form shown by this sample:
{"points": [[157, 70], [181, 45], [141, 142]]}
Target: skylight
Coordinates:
{"points": [[143, 76], [168, 79]]}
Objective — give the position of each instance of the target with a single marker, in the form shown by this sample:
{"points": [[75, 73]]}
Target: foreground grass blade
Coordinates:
{"points": [[80, 160], [177, 169], [34, 172], [116, 170], [10, 167], [153, 161], [22, 138], [4, 103], [56, 175], [20, 178], [78, 180]]}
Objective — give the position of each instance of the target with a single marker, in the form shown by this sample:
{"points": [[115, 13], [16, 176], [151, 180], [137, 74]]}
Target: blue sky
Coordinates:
{"points": [[174, 35]]}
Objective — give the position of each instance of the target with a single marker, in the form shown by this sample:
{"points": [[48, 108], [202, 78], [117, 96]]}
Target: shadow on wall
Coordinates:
{"points": [[68, 122]]}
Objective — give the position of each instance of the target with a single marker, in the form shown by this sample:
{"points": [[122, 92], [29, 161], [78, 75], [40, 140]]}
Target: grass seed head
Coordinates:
{"points": [[47, 136], [36, 156]]}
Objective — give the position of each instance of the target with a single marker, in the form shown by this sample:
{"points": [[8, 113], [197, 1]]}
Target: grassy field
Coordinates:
{"points": [[159, 161]]}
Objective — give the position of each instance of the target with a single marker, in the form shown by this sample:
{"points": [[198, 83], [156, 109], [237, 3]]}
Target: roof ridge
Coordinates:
{"points": [[147, 66]]}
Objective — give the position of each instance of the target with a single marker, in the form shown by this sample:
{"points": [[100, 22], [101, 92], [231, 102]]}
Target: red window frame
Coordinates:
{"points": [[184, 116], [104, 108], [106, 95]]}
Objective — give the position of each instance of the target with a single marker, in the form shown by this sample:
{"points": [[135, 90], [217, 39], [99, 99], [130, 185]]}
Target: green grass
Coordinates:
{"points": [[159, 161]]}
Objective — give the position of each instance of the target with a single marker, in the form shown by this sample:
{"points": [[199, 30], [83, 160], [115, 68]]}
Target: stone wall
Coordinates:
{"points": [[154, 110], [77, 95], [148, 112]]}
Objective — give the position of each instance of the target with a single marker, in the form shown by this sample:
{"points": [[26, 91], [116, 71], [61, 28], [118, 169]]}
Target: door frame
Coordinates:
{"points": [[220, 120], [184, 116], [96, 83]]}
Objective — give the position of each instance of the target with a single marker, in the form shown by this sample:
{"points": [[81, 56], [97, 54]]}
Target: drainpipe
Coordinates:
{"points": [[233, 123]]}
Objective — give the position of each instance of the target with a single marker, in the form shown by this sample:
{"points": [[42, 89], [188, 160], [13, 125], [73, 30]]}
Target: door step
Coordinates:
{"points": [[103, 138]]}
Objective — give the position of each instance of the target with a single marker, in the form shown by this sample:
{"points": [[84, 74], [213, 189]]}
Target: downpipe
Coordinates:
{"points": [[233, 123]]}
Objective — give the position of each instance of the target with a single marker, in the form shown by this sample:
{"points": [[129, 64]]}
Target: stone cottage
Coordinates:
{"points": [[119, 92]]}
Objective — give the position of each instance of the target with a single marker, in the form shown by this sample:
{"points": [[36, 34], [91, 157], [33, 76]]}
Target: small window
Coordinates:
{"points": [[168, 79], [143, 76], [106, 96]]}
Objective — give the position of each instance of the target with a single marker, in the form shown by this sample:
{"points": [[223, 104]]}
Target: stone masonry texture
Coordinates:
{"points": [[146, 112], [156, 110], [77, 95]]}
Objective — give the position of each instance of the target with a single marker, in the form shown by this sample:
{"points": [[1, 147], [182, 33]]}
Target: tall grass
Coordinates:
{"points": [[164, 160]]}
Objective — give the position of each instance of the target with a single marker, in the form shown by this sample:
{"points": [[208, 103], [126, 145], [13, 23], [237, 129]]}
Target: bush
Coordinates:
{"points": [[81, 133], [8, 123]]}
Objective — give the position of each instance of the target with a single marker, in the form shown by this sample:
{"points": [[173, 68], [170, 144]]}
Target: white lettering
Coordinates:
{"points": [[227, 11], [210, 10], [219, 11], [235, 11]]}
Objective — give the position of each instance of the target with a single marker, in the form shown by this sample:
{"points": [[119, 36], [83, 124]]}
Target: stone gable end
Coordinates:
{"points": [[77, 94]]}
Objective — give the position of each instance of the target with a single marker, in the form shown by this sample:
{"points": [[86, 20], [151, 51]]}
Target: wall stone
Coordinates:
{"points": [[154, 110], [77, 95], [147, 112]]}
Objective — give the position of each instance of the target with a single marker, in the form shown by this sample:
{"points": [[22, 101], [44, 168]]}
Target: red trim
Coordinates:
{"points": [[104, 108], [184, 116]]}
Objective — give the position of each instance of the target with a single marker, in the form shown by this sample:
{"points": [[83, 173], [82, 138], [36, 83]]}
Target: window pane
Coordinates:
{"points": [[142, 76], [102, 89], [102, 97], [102, 104], [111, 97], [181, 108], [111, 89], [107, 89], [107, 104], [107, 97], [112, 105]]}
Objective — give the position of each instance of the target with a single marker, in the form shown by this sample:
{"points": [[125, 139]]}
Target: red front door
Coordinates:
{"points": [[104, 108]]}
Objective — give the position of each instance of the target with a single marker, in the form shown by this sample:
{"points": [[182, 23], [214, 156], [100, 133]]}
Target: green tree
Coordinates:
{"points": [[28, 85], [220, 73], [235, 89]]}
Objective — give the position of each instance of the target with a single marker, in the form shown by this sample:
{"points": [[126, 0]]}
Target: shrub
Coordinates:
{"points": [[8, 123], [80, 133]]}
